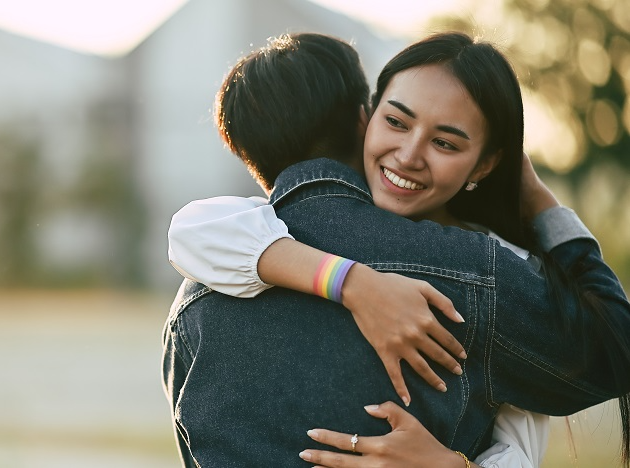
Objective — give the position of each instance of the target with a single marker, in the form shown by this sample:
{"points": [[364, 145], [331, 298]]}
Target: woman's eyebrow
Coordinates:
{"points": [[453, 130], [444, 128], [400, 106]]}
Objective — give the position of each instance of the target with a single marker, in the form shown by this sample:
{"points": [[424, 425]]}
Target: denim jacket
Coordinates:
{"points": [[247, 378]]}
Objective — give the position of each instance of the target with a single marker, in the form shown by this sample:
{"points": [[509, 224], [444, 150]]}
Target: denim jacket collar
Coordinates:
{"points": [[319, 170]]}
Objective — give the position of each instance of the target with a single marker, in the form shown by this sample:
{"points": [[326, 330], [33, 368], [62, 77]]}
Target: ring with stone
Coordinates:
{"points": [[354, 440]]}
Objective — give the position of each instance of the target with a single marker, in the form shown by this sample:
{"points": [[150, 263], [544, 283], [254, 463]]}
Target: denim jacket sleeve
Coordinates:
{"points": [[598, 348]]}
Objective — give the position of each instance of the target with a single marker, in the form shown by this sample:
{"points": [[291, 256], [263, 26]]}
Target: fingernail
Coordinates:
{"points": [[457, 370], [313, 434], [406, 401], [441, 387], [463, 355], [305, 455], [369, 408], [459, 317]]}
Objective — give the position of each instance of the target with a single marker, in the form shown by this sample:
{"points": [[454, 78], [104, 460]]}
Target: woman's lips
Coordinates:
{"points": [[400, 182]]}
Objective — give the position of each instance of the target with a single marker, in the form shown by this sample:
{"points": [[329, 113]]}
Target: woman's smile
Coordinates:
{"points": [[406, 186]]}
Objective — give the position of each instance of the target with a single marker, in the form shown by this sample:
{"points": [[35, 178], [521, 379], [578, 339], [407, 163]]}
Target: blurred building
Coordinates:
{"points": [[118, 145]]}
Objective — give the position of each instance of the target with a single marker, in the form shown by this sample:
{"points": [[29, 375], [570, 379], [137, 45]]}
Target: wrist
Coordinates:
{"points": [[461, 460], [541, 201], [354, 285], [330, 277]]}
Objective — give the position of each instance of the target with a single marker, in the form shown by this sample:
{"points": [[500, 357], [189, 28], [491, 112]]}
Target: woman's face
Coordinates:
{"points": [[423, 143]]}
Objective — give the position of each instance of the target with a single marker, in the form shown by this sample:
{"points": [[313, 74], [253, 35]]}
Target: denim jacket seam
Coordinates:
{"points": [[504, 342], [189, 300], [471, 331], [492, 306], [181, 335], [469, 278], [329, 195], [309, 180]]}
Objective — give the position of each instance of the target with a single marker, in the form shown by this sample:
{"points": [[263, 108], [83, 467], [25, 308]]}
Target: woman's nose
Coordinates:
{"points": [[411, 156]]}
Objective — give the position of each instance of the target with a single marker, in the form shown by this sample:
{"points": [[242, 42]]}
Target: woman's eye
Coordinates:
{"points": [[444, 144], [394, 122]]}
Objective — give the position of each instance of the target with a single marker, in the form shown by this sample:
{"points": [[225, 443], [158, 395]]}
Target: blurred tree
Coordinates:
{"points": [[19, 194], [75, 217], [573, 61]]}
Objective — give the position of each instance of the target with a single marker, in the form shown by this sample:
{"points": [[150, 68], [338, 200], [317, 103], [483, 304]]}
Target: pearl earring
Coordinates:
{"points": [[471, 186]]}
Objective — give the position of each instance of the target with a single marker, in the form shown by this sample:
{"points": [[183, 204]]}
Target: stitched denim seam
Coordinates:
{"points": [[492, 305], [469, 278], [470, 333], [181, 333], [310, 180], [189, 300], [508, 346]]}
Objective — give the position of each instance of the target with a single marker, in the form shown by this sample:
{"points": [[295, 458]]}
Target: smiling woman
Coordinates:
{"points": [[104, 27], [424, 142]]}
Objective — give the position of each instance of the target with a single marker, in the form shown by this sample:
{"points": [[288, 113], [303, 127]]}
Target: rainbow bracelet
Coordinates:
{"points": [[330, 275]]}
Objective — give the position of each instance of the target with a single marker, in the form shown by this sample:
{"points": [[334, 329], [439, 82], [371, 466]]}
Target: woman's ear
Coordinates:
{"points": [[486, 165]]}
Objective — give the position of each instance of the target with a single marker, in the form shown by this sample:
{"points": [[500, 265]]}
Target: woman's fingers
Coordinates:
{"points": [[397, 448], [434, 351], [441, 334], [439, 300], [420, 365], [396, 416], [392, 366], [340, 440], [331, 459]]}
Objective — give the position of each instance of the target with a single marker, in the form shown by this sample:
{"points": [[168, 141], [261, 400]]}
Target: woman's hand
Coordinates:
{"points": [[392, 312], [535, 195], [409, 444]]}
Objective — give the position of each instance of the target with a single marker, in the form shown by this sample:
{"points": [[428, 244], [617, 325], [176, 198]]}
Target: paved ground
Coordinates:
{"points": [[80, 381], [81, 387]]}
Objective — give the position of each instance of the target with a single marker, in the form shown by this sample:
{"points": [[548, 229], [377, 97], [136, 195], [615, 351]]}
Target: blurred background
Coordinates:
{"points": [[106, 130]]}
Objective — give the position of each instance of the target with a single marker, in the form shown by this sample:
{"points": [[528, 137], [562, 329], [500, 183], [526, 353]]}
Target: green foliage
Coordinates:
{"points": [[19, 184]]}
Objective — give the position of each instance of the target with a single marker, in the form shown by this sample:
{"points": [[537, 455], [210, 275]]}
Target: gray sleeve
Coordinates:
{"points": [[558, 225]]}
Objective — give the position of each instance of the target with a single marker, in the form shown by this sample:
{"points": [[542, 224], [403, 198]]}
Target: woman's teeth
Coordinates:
{"points": [[400, 182]]}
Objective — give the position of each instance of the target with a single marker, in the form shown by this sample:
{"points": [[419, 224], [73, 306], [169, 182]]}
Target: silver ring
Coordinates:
{"points": [[354, 440]]}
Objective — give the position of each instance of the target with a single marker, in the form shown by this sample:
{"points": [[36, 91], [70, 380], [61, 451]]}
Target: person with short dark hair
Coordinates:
{"points": [[246, 377]]}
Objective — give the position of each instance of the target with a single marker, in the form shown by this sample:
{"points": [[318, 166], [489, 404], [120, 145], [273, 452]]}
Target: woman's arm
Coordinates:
{"points": [[237, 246]]}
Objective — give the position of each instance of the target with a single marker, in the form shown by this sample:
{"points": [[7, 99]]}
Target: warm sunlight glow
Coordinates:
{"points": [[105, 27], [549, 135], [405, 17]]}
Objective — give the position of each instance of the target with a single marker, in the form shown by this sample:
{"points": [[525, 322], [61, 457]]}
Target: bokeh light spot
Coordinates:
{"points": [[549, 133], [602, 123], [594, 62], [620, 15]]}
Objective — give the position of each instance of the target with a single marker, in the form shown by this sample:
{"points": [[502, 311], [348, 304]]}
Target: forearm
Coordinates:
{"points": [[290, 264]]}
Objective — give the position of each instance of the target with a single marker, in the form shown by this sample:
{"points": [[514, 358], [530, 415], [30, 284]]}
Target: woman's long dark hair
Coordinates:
{"points": [[496, 203]]}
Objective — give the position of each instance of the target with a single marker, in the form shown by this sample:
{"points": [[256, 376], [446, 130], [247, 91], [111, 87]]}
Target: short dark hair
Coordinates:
{"points": [[296, 99], [490, 80]]}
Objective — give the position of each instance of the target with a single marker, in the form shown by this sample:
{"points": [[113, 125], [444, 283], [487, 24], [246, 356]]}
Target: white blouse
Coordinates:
{"points": [[218, 242]]}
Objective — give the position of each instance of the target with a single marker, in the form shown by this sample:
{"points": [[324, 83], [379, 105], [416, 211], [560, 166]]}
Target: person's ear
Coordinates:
{"points": [[485, 166]]}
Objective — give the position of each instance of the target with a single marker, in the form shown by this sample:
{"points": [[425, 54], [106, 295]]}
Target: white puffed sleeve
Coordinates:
{"points": [[218, 241], [519, 437]]}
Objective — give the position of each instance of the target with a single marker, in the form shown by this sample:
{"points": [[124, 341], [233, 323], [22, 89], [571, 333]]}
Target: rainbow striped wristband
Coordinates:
{"points": [[330, 275]]}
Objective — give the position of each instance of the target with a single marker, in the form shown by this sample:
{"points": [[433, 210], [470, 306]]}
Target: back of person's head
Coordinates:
{"points": [[298, 98], [491, 82]]}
